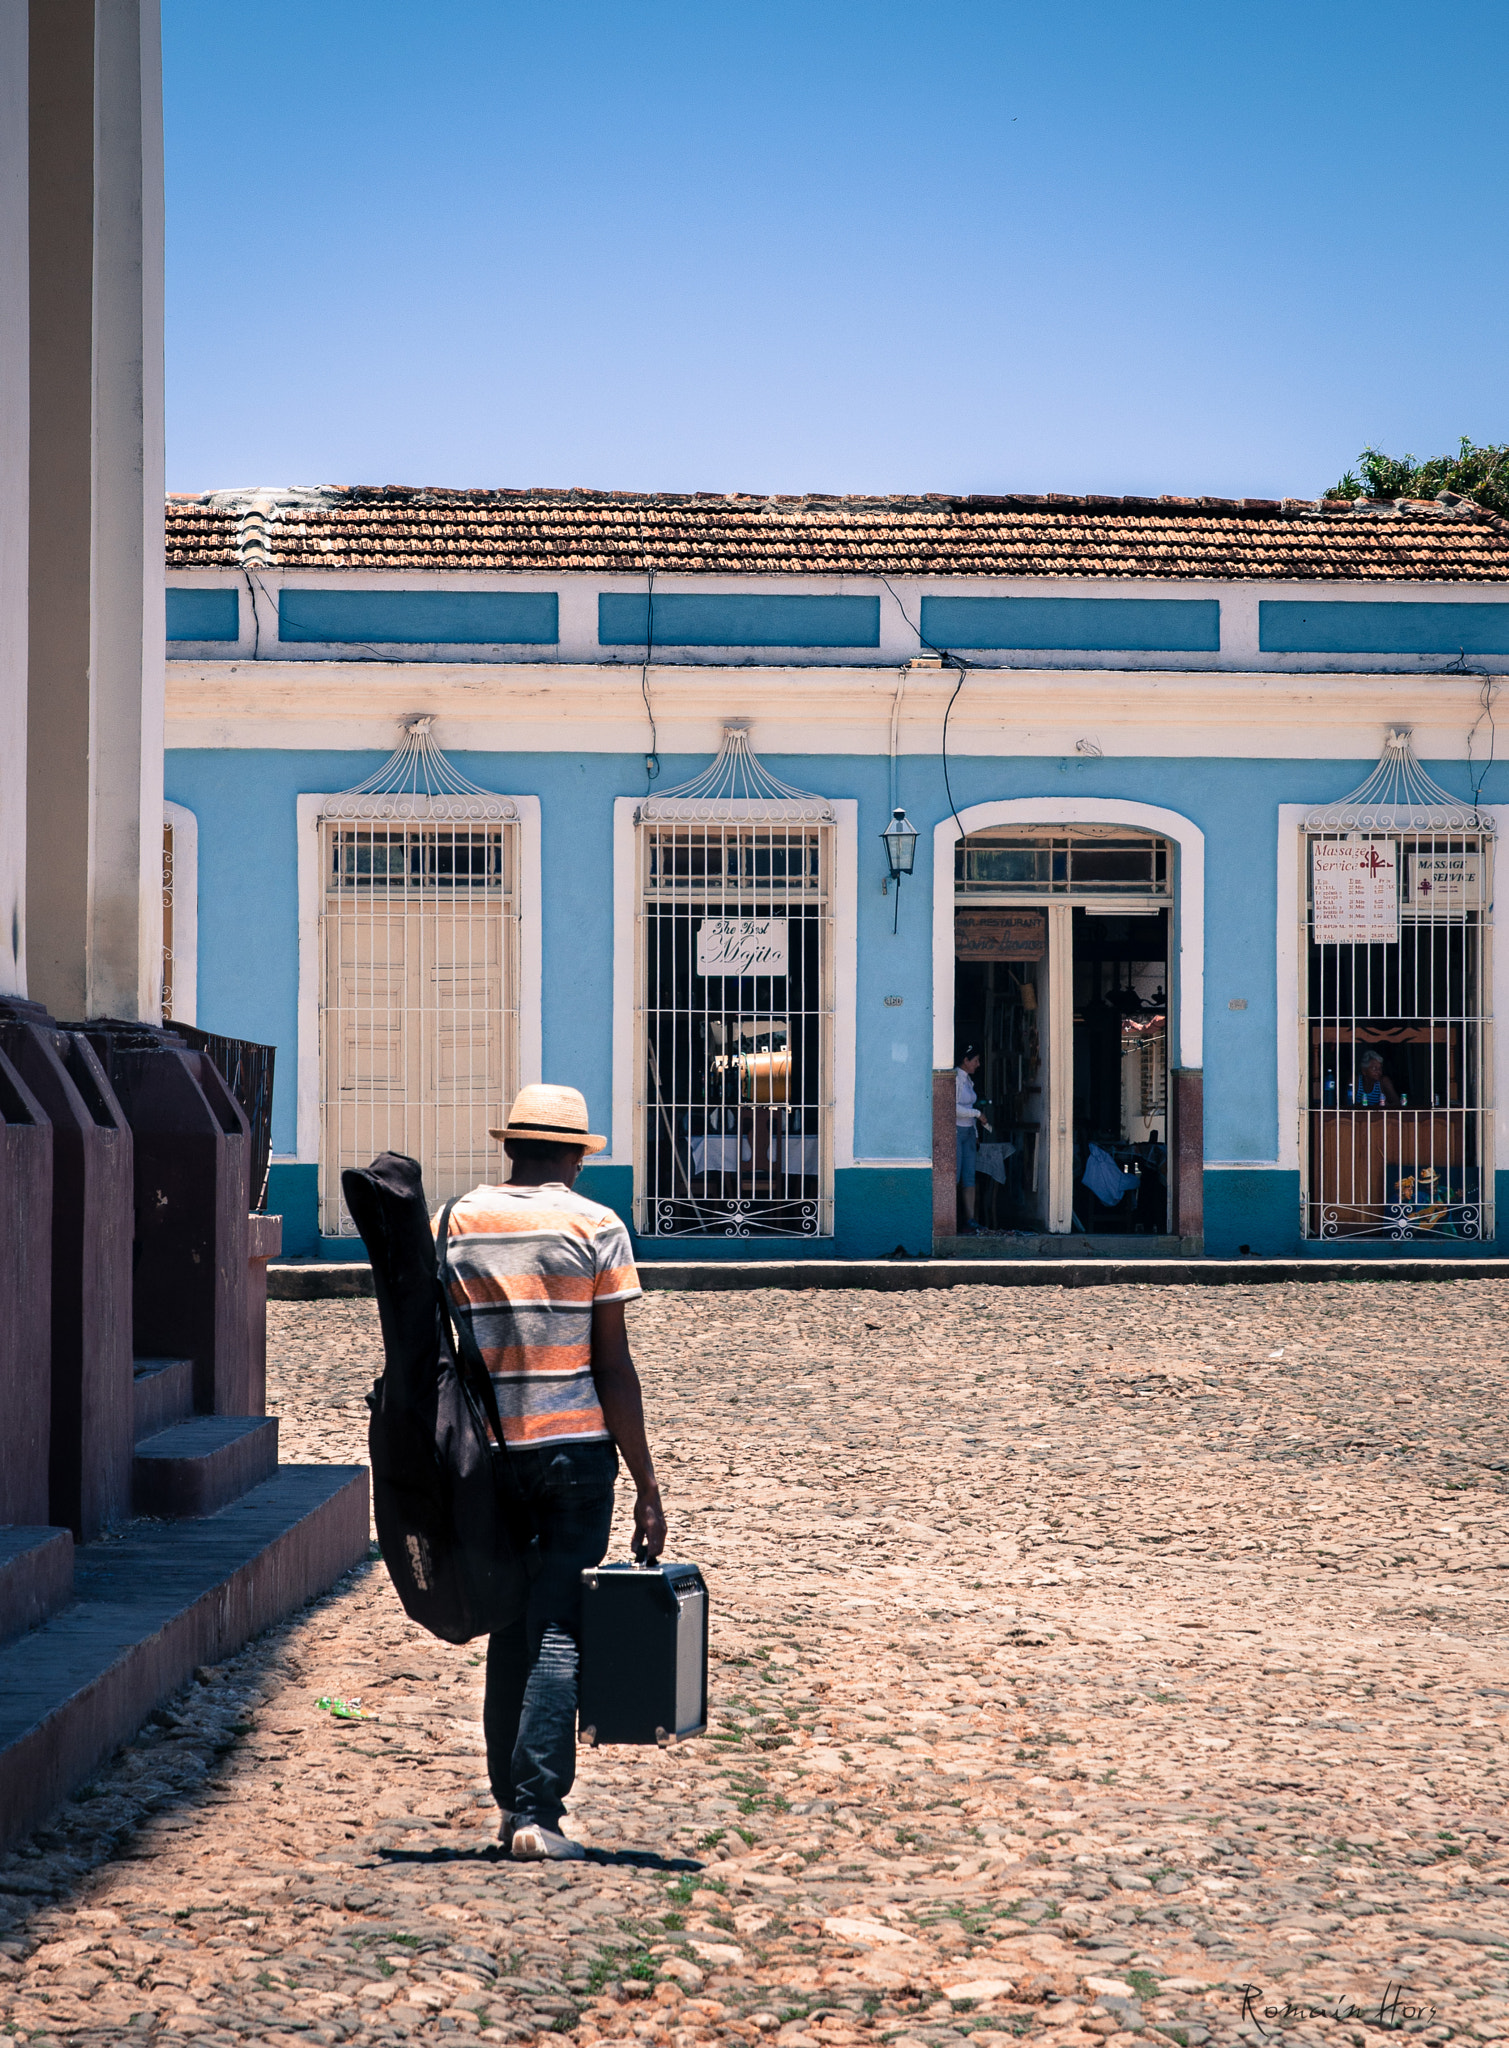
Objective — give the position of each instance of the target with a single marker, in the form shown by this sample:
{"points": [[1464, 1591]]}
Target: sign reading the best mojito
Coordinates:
{"points": [[741, 945]]}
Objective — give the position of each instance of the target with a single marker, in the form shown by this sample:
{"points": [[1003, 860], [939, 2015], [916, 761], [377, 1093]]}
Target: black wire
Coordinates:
{"points": [[652, 758], [251, 591], [948, 786], [952, 661], [1486, 712]]}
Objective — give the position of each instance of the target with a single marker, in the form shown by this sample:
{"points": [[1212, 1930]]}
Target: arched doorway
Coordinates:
{"points": [[1068, 950]]}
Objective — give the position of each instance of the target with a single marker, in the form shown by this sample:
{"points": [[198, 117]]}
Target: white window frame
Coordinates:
{"points": [[845, 909], [1292, 1105], [184, 826], [311, 969]]}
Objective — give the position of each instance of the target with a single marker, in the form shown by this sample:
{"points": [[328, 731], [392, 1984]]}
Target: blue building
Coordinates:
{"points": [[472, 787]]}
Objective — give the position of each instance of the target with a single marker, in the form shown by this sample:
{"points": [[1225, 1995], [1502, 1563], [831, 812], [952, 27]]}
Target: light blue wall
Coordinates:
{"points": [[439, 618], [1160, 625], [248, 932], [197, 614], [724, 619], [1379, 626]]}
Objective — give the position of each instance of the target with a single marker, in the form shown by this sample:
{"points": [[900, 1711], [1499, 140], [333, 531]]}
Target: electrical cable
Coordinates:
{"points": [[251, 591], [1486, 712], [652, 758], [950, 660]]}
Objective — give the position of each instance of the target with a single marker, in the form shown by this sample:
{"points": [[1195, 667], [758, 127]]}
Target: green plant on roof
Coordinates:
{"points": [[1480, 473]]}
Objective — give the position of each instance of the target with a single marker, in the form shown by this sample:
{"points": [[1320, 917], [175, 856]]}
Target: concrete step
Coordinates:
{"points": [[1023, 1244], [163, 1391], [199, 1466], [152, 1602], [36, 1576]]}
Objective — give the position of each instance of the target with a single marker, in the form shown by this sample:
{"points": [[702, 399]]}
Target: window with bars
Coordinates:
{"points": [[1396, 1034], [419, 1010], [734, 1016], [1079, 863]]}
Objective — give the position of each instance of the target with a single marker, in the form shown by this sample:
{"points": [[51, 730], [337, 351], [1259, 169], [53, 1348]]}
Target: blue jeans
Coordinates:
{"points": [[529, 1712], [966, 1145]]}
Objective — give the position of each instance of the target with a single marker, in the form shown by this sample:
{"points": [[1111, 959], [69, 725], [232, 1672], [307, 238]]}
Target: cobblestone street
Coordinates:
{"points": [[1086, 1663]]}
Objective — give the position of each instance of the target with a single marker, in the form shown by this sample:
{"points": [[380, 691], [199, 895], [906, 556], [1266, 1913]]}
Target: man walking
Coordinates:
{"points": [[542, 1276]]}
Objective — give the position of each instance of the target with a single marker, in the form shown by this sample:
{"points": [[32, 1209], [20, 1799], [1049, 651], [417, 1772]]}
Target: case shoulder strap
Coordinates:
{"points": [[476, 1375]]}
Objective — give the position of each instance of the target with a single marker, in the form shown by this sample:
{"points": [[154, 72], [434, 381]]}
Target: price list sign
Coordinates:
{"points": [[1354, 892]]}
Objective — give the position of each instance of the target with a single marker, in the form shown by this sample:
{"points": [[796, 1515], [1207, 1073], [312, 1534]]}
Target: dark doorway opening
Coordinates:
{"points": [[1121, 1092]]}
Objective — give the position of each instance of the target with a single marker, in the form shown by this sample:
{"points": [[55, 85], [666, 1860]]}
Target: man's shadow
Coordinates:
{"points": [[493, 1852]]}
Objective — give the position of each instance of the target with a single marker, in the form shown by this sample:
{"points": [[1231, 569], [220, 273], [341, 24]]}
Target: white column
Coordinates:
{"points": [[127, 638], [15, 433], [96, 653]]}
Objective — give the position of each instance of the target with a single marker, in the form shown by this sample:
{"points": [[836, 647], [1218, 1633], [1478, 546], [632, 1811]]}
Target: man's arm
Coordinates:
{"points": [[623, 1410]]}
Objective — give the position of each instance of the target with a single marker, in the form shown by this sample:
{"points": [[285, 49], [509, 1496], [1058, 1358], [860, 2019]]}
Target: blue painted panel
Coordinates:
{"points": [[875, 1209], [1253, 1211], [293, 1193], [1157, 625], [203, 614], [442, 618], [1377, 627], [725, 620]]}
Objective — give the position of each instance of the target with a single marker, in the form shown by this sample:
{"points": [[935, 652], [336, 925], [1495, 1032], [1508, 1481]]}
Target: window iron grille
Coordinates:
{"points": [[734, 1011], [1062, 864], [1396, 1023]]}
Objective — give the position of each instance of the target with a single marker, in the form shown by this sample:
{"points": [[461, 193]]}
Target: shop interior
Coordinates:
{"points": [[1119, 1042]]}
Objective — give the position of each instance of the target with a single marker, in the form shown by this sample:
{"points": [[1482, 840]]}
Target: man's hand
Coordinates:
{"points": [[649, 1525]]}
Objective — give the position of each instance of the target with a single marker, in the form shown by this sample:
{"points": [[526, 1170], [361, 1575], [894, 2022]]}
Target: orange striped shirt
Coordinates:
{"points": [[528, 1265]]}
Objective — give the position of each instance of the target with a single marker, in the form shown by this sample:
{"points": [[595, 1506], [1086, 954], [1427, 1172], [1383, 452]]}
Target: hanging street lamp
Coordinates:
{"points": [[900, 841]]}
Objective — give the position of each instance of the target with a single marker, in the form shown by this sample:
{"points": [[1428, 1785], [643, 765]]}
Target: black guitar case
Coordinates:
{"points": [[452, 1527]]}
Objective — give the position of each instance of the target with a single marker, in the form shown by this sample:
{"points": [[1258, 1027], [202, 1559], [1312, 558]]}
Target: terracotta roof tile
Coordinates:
{"points": [[541, 532]]}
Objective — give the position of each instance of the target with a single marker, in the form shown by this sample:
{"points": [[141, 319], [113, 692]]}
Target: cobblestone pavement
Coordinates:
{"points": [[1081, 1658]]}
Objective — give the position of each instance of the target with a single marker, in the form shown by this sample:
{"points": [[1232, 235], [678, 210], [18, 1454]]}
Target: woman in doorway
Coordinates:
{"points": [[969, 1122]]}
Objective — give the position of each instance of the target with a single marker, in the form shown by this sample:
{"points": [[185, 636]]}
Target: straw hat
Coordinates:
{"points": [[556, 1116]]}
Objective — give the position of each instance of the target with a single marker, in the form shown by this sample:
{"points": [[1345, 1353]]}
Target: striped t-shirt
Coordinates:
{"points": [[527, 1266]]}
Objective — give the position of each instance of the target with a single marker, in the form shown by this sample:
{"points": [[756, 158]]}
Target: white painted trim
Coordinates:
{"points": [[845, 974], [845, 914], [1187, 940], [531, 941], [1242, 1165], [1291, 1103], [820, 707], [185, 912], [1290, 909], [531, 955], [307, 1139], [925, 1164], [625, 953]]}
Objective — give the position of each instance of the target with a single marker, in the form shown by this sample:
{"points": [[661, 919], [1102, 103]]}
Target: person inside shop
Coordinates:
{"points": [[1374, 1088], [969, 1121]]}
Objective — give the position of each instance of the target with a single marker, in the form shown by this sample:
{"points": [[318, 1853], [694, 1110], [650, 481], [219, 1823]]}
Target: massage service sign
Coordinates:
{"points": [[741, 945], [1354, 892]]}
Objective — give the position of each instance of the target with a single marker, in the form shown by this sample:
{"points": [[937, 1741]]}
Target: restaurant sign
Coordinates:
{"points": [[1354, 891], [1000, 934], [741, 945]]}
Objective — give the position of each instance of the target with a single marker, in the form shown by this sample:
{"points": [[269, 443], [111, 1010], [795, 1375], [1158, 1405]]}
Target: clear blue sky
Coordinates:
{"points": [[788, 245]]}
